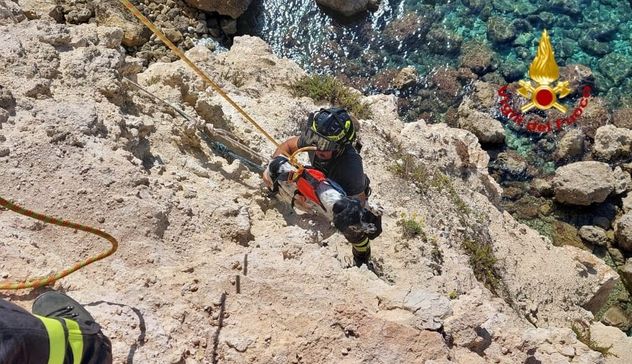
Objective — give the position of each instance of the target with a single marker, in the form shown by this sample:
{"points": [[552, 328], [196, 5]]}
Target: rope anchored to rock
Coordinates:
{"points": [[195, 68], [46, 280]]}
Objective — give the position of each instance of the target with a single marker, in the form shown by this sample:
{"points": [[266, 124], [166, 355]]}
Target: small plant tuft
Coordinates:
{"points": [[409, 169], [237, 78], [482, 261], [453, 295], [436, 257], [333, 91], [412, 226]]}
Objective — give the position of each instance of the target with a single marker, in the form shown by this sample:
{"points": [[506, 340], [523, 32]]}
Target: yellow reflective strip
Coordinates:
{"points": [[75, 339], [56, 340], [362, 246]]}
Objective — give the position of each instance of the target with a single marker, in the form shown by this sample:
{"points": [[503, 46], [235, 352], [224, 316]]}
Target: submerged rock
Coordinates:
{"points": [[478, 57], [500, 31], [406, 77], [346, 7], [616, 67], [232, 8]]}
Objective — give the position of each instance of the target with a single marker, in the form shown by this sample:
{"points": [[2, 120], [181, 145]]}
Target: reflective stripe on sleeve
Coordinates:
{"points": [[56, 340], [75, 339]]}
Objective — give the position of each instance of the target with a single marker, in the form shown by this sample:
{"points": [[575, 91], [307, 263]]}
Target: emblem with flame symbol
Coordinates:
{"points": [[544, 72]]}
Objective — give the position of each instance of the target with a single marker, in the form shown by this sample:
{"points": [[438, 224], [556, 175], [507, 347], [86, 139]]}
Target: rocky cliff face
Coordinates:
{"points": [[211, 270]]}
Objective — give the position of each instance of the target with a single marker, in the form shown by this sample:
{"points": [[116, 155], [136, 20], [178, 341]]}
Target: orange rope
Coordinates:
{"points": [[43, 281]]}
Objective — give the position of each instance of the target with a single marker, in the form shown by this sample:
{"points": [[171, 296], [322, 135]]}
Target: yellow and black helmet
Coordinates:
{"points": [[329, 129]]}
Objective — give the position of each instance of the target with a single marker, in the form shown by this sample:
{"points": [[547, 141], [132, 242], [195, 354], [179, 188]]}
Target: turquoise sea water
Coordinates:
{"points": [[433, 34], [438, 37]]}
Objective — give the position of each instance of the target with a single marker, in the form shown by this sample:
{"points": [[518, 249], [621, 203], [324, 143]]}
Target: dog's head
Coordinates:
{"points": [[350, 215], [277, 166]]}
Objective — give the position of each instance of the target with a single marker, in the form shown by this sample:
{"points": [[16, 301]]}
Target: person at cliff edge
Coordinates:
{"points": [[333, 132]]}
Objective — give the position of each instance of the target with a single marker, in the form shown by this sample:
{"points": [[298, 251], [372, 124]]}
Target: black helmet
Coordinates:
{"points": [[329, 129]]}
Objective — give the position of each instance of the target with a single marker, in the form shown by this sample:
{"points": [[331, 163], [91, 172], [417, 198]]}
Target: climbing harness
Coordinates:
{"points": [[307, 180], [46, 280]]}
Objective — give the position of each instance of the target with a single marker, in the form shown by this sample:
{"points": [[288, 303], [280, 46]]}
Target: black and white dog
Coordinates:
{"points": [[323, 196]]}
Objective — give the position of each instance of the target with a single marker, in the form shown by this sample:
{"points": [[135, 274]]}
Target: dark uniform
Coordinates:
{"points": [[346, 169], [32, 339]]}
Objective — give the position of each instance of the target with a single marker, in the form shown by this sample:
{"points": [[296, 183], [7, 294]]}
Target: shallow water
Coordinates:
{"points": [[429, 34]]}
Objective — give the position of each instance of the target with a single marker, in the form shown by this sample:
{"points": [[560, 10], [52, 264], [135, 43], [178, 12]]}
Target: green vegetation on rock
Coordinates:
{"points": [[482, 261], [412, 226], [331, 90]]}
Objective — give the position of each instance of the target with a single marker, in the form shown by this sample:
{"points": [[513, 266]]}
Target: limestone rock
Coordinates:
{"points": [[620, 345], [571, 145], [511, 164], [35, 9], [595, 115], [112, 14], [626, 274], [615, 317], [4, 116], [555, 274], [622, 118], [623, 232], [455, 152], [232, 8], [594, 235], [406, 77], [417, 308], [542, 187], [7, 100], [583, 183], [612, 143], [627, 202], [623, 181], [345, 7], [590, 265], [486, 128], [178, 206], [10, 13]]}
